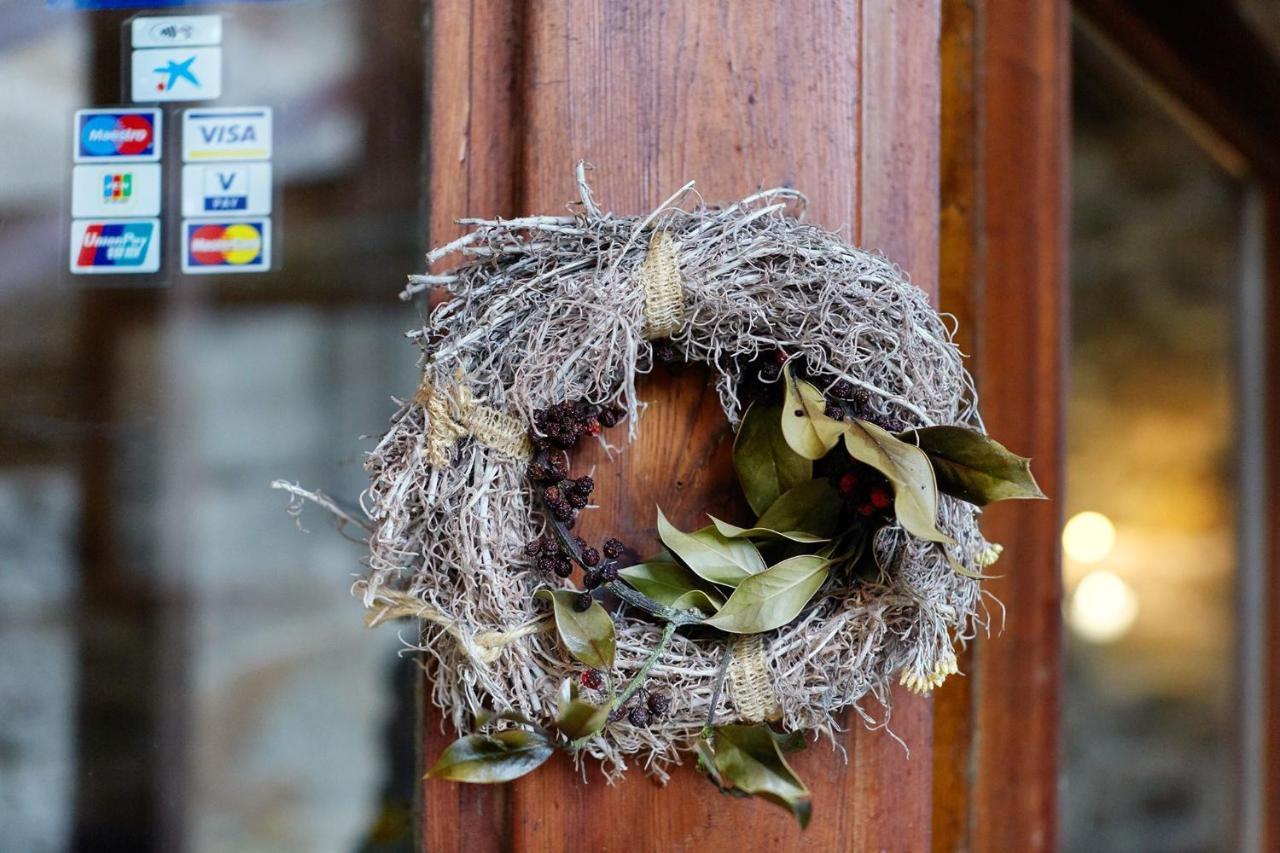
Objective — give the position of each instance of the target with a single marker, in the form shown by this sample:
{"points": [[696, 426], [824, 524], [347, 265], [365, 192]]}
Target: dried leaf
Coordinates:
{"points": [[732, 531], [766, 464], [575, 717], [812, 507], [772, 598], [670, 584], [499, 757], [749, 759], [915, 493], [805, 424], [588, 635], [975, 467], [710, 555]]}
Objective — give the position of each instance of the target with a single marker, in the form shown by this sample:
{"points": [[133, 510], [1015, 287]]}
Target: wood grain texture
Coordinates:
{"points": [[958, 283], [1024, 136], [839, 99]]}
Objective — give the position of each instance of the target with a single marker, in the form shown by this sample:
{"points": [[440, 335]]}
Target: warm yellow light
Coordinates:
{"points": [[1088, 537], [1103, 607]]}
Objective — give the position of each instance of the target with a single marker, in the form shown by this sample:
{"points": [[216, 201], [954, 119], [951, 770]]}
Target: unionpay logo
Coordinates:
{"points": [[117, 135], [115, 246], [232, 246]]}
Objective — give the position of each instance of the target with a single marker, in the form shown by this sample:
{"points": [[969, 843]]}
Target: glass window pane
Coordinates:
{"points": [[1150, 543], [183, 669]]}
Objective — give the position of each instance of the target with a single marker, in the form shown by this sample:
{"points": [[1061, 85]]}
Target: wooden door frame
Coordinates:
{"points": [[1004, 208]]}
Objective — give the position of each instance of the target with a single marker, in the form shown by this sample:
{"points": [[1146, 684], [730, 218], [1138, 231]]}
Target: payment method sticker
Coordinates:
{"points": [[176, 30], [116, 189], [117, 135], [226, 133], [106, 246], [177, 74], [226, 246], [214, 189]]}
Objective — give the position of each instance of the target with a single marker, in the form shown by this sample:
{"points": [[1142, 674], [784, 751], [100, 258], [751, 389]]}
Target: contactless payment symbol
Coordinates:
{"points": [[185, 74], [115, 246], [120, 135], [235, 245], [243, 189]]}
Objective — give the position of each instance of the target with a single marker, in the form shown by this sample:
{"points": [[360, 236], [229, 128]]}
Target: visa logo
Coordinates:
{"points": [[228, 134], [231, 133]]}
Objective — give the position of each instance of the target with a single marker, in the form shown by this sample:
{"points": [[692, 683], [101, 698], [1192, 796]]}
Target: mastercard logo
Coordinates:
{"points": [[235, 246]]}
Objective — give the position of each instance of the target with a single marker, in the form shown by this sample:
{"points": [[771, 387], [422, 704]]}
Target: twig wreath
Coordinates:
{"points": [[858, 448]]}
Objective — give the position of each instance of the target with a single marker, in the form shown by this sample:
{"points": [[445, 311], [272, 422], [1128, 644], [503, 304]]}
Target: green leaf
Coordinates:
{"points": [[748, 758], [588, 635], [698, 599], [915, 493], [498, 757], [670, 584], [975, 467], [711, 556], [766, 464], [805, 424], [772, 598], [575, 717], [812, 507], [732, 531]]}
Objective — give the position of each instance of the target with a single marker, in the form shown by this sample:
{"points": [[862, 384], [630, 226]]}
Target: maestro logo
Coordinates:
{"points": [[117, 135], [233, 246]]}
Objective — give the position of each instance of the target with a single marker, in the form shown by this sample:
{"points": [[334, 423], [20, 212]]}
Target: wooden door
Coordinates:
{"points": [[843, 101]]}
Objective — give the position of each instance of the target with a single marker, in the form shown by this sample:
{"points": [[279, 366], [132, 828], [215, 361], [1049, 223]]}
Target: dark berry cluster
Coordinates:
{"points": [[866, 490], [845, 401], [551, 558], [665, 352], [563, 424], [644, 708]]}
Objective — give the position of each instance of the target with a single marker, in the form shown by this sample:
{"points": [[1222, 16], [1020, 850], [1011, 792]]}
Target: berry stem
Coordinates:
{"points": [[637, 680], [721, 671], [631, 596]]}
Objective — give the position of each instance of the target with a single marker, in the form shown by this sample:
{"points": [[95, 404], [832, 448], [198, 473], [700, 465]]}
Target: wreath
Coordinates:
{"points": [[859, 450]]}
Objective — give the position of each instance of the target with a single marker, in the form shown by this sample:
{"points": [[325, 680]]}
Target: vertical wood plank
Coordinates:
{"points": [[1024, 73], [958, 283], [736, 97]]}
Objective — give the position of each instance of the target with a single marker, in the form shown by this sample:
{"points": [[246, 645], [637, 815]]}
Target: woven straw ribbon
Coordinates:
{"points": [[449, 420]]}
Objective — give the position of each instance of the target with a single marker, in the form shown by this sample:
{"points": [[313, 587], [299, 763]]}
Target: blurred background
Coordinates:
{"points": [[183, 670]]}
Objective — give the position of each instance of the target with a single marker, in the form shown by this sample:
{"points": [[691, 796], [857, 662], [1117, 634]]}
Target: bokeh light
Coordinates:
{"points": [[1088, 537], [1103, 607]]}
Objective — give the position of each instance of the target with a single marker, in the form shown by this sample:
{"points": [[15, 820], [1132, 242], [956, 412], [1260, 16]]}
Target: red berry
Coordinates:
{"points": [[879, 497], [592, 678], [866, 509], [848, 482]]}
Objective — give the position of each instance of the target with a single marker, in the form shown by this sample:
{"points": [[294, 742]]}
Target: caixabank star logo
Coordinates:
{"points": [[239, 245], [117, 135]]}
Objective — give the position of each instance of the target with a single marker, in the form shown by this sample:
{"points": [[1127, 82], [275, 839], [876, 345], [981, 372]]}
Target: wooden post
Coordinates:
{"points": [[838, 99]]}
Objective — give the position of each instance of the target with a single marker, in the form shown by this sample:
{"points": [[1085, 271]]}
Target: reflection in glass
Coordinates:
{"points": [[182, 669], [1150, 551]]}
